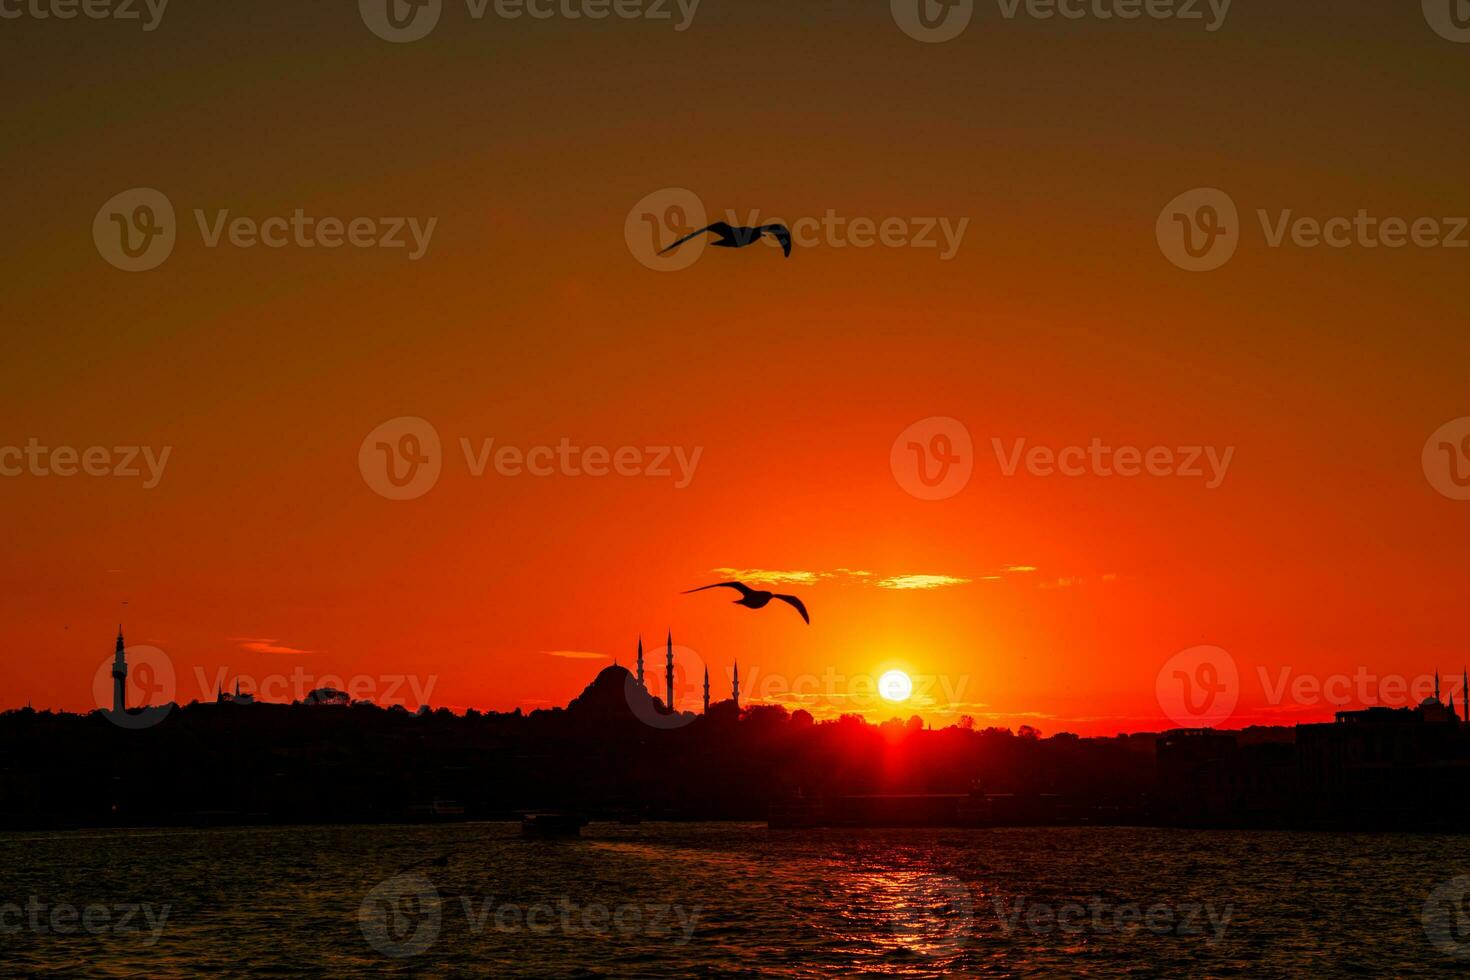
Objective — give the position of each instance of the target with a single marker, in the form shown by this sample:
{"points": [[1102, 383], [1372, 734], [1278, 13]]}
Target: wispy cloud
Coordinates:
{"points": [[766, 576], [907, 582], [1067, 582], [257, 644], [576, 654], [1029, 574], [912, 582]]}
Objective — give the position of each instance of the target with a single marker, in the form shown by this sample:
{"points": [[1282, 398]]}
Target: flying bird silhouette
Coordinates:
{"points": [[756, 598], [739, 237]]}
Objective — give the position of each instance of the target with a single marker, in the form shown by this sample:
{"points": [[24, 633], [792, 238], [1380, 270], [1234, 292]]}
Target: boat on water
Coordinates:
{"points": [[552, 824], [439, 811]]}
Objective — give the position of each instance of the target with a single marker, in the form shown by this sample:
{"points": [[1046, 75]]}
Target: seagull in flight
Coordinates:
{"points": [[756, 598], [739, 237]]}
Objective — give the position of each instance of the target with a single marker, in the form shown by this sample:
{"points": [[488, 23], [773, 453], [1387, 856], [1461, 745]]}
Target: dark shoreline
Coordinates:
{"points": [[744, 821]]}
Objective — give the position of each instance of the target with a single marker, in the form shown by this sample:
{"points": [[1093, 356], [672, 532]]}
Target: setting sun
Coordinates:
{"points": [[895, 686]]}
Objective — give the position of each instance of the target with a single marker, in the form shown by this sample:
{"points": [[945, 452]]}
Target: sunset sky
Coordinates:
{"points": [[1053, 601]]}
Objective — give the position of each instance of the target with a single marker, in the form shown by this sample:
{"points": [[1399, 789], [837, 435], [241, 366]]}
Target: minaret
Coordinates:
{"points": [[1436, 683], [706, 690], [640, 662], [119, 676], [735, 687], [669, 672]]}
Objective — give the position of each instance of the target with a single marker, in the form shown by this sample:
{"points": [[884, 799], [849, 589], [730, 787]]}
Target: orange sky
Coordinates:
{"points": [[263, 551]]}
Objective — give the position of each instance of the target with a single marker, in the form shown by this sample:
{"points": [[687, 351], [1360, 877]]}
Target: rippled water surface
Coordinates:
{"points": [[674, 900]]}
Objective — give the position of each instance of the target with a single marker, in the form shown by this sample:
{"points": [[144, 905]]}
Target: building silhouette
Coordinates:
{"points": [[1370, 768], [637, 677], [221, 697], [119, 675]]}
